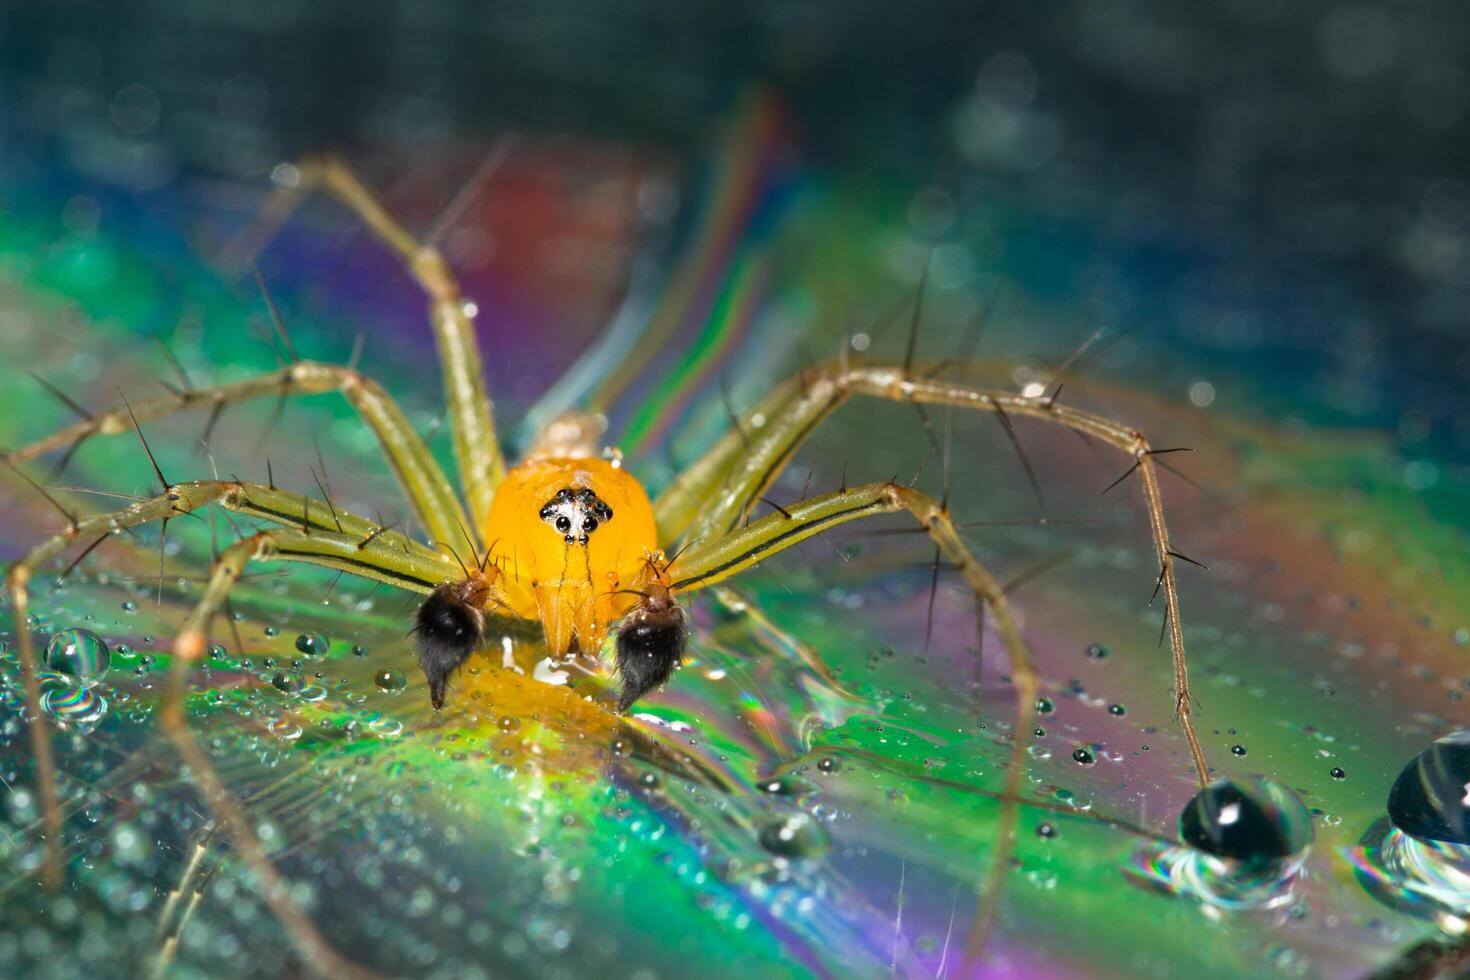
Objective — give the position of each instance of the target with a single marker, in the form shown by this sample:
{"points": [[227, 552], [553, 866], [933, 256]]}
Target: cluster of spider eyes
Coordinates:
{"points": [[580, 509]]}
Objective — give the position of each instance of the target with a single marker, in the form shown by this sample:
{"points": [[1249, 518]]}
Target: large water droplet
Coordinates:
{"points": [[313, 644], [1431, 798], [794, 835], [1248, 820], [80, 657], [390, 680], [288, 682]]}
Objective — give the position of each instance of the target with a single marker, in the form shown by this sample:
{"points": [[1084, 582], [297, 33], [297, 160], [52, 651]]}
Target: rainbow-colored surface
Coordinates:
{"points": [[813, 795]]}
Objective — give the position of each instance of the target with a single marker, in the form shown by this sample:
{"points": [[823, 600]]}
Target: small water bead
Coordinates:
{"points": [[272, 631], [79, 656], [129, 606], [795, 835], [1237, 749], [390, 680], [359, 651], [313, 644], [1429, 800], [1117, 709], [288, 682], [217, 652], [1045, 706], [1096, 651], [1337, 773], [1248, 820], [1082, 756], [827, 764], [1045, 831]]}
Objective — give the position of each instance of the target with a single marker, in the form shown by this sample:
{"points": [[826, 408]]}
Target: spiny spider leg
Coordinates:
{"points": [[717, 492], [714, 559], [477, 450], [341, 540], [424, 484], [332, 550]]}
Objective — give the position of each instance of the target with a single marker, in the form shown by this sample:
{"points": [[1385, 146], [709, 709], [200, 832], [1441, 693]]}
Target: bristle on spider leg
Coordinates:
{"points": [[1010, 431], [275, 315]]}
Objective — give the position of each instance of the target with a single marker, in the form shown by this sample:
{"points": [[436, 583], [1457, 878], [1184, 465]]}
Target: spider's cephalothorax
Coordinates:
{"points": [[569, 535]]}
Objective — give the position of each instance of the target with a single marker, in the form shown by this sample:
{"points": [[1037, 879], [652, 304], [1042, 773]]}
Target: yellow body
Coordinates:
{"points": [[571, 587]]}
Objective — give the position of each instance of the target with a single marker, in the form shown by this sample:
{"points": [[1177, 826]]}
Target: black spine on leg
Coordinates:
{"points": [[650, 646], [447, 631]]}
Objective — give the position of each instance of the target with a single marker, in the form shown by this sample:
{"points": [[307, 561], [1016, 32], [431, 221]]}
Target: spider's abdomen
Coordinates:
{"points": [[566, 534]]}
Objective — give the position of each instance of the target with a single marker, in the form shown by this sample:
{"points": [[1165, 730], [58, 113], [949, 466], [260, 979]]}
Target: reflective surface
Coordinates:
{"points": [[814, 792]]}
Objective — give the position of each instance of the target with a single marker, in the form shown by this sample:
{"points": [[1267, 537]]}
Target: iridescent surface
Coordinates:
{"points": [[814, 792]]}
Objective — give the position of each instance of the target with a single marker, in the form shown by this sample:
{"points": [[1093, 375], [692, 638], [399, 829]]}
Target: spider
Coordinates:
{"points": [[563, 537]]}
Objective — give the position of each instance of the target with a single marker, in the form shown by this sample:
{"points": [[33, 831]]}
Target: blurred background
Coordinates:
{"points": [[1264, 205]]}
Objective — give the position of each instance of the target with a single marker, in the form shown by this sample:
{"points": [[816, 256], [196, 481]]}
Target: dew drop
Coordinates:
{"points": [[1237, 749], [288, 682], [795, 835], [390, 680], [79, 656], [1337, 773], [313, 644], [1429, 799], [1248, 820], [1096, 651], [1045, 706], [1083, 756]]}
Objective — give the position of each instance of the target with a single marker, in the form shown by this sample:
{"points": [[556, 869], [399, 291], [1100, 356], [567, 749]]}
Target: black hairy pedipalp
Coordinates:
{"points": [[447, 629], [649, 646]]}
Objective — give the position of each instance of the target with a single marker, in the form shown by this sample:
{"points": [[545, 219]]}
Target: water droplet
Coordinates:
{"points": [[390, 680], [1429, 799], [74, 709], [827, 764], [272, 631], [79, 656], [795, 835], [1117, 709], [359, 651], [1337, 773], [129, 606], [288, 682], [386, 727], [1238, 749], [1046, 830], [1248, 820], [313, 644], [1045, 706], [1082, 756], [1096, 651], [508, 724]]}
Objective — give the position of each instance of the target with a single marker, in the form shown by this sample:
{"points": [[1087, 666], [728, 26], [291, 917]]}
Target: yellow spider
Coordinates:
{"points": [[564, 536]]}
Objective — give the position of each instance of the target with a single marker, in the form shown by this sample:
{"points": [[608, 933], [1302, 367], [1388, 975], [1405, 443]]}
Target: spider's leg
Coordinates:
{"points": [[424, 484], [476, 450], [711, 561], [341, 540], [324, 548], [717, 492]]}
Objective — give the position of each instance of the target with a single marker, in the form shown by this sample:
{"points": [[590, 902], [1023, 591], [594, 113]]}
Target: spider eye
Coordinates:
{"points": [[563, 524], [589, 524]]}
